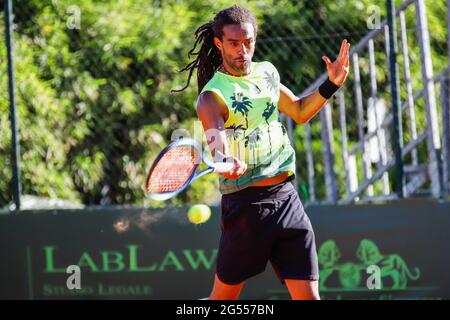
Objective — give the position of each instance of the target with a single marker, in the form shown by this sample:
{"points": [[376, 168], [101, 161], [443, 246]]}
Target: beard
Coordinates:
{"points": [[239, 66]]}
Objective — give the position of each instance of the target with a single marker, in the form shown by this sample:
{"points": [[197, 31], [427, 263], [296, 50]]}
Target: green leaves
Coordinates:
{"points": [[94, 103]]}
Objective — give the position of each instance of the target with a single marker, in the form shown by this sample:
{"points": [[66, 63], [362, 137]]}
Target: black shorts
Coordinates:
{"points": [[261, 224]]}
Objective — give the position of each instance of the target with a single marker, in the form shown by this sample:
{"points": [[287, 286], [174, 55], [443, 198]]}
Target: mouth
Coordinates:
{"points": [[241, 60]]}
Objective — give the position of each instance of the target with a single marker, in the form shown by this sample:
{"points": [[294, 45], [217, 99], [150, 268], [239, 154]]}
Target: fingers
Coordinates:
{"points": [[346, 59], [343, 57], [241, 167], [238, 170], [342, 49], [327, 61]]}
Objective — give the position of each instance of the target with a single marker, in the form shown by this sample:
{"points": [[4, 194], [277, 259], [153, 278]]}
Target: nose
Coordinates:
{"points": [[243, 49]]}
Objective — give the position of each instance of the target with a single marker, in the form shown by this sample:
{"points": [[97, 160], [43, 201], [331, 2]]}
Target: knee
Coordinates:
{"points": [[305, 295], [312, 295], [222, 291], [303, 290]]}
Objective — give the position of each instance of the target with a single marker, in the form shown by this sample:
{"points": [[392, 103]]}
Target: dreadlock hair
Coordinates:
{"points": [[209, 58]]}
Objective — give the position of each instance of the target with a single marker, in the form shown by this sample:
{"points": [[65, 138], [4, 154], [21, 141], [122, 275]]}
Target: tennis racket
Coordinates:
{"points": [[175, 168]]}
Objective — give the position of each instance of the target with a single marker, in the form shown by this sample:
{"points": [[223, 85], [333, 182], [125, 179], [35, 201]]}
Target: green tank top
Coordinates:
{"points": [[254, 131]]}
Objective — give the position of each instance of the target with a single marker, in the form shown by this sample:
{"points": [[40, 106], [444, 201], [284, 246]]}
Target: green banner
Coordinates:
{"points": [[391, 251]]}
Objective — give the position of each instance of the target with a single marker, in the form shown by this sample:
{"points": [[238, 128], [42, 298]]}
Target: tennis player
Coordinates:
{"points": [[239, 104]]}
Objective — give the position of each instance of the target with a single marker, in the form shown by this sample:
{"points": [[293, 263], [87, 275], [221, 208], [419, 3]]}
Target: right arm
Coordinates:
{"points": [[213, 113]]}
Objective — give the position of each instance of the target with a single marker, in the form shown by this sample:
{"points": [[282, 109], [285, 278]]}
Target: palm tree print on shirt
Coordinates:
{"points": [[268, 111], [266, 114], [241, 104], [252, 140], [235, 131], [283, 129], [271, 81]]}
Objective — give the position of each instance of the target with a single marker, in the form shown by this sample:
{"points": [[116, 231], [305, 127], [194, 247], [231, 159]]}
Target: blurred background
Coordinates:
{"points": [[93, 81]]}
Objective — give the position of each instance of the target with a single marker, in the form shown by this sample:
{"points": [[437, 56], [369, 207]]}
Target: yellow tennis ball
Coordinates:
{"points": [[199, 213]]}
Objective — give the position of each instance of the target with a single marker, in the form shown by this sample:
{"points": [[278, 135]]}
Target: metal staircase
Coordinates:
{"points": [[374, 147]]}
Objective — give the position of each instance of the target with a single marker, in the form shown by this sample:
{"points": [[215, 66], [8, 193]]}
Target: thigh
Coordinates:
{"points": [[245, 242], [294, 254]]}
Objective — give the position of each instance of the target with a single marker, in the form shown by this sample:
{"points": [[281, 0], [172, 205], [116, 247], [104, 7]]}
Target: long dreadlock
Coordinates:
{"points": [[209, 58]]}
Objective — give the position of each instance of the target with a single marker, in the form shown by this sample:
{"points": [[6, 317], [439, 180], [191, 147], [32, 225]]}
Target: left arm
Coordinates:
{"points": [[301, 110]]}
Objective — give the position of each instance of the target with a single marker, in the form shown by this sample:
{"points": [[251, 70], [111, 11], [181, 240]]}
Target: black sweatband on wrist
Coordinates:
{"points": [[327, 89]]}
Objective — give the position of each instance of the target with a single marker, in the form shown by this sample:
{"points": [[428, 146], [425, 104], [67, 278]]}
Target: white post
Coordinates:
{"points": [[434, 143]]}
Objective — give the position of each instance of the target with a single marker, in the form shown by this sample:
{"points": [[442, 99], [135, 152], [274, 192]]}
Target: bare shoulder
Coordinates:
{"points": [[210, 103]]}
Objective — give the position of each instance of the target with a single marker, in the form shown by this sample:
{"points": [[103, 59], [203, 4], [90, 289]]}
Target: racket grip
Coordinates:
{"points": [[223, 167]]}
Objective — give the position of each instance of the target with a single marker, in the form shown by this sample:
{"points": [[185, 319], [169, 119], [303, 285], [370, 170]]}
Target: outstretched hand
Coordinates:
{"points": [[339, 68]]}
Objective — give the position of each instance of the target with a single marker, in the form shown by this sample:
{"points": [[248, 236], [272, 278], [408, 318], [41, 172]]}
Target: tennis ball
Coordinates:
{"points": [[199, 213]]}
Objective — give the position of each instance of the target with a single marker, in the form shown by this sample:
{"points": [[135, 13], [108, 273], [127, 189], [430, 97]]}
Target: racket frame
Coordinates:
{"points": [[194, 176]]}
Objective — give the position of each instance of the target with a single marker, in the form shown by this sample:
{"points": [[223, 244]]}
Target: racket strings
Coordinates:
{"points": [[173, 170]]}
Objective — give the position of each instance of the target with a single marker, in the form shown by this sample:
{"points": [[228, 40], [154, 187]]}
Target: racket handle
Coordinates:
{"points": [[223, 167]]}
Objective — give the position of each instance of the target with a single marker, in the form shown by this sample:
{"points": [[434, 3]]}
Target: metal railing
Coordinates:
{"points": [[375, 118], [93, 83]]}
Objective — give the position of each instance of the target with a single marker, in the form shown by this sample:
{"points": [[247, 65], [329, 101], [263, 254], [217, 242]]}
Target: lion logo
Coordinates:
{"points": [[328, 257], [391, 265], [350, 274]]}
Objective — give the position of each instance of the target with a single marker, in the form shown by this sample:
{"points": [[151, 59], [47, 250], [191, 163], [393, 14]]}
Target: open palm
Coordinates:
{"points": [[338, 69]]}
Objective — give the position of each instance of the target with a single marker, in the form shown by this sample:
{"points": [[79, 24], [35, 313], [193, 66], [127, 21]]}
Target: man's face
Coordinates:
{"points": [[237, 47]]}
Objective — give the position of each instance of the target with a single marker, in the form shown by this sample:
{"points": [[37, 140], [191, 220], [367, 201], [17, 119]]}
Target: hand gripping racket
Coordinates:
{"points": [[174, 168]]}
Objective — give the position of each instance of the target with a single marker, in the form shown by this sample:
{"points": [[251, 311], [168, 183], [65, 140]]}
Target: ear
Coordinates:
{"points": [[218, 43]]}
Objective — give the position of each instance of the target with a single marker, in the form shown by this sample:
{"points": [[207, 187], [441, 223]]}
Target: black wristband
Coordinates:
{"points": [[327, 89]]}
